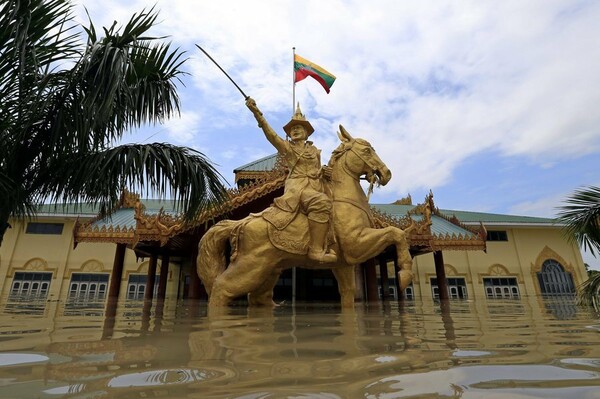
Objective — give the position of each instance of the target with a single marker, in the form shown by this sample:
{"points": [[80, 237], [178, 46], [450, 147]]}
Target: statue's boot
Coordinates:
{"points": [[316, 245]]}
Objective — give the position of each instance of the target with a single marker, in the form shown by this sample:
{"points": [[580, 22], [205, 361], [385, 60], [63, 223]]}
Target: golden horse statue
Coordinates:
{"points": [[256, 263]]}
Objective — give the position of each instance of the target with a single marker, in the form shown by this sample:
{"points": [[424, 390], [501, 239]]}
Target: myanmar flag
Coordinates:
{"points": [[304, 68]]}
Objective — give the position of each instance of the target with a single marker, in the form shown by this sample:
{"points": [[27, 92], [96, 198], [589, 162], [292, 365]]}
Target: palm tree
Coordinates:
{"points": [[590, 291], [581, 218], [67, 96]]}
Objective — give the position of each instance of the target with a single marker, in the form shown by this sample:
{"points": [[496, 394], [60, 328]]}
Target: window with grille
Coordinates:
{"points": [[554, 280], [457, 288], [88, 287], [87, 292], [28, 286], [409, 292], [28, 293], [392, 292], [501, 287], [136, 286]]}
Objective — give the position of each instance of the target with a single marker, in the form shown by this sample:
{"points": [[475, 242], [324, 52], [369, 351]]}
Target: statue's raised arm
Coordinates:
{"points": [[304, 191], [273, 137]]}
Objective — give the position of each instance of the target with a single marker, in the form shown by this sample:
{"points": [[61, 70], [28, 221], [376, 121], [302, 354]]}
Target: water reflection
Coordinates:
{"points": [[525, 348]]}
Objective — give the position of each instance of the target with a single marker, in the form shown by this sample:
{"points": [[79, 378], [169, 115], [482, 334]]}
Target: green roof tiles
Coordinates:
{"points": [[396, 211], [152, 206], [468, 217], [439, 226], [265, 164], [122, 218], [494, 218], [75, 209], [125, 217]]}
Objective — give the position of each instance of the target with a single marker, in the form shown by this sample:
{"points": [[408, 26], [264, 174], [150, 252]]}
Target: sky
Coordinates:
{"points": [[492, 105]]}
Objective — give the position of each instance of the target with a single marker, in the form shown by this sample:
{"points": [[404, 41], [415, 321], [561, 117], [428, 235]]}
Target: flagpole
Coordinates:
{"points": [[293, 110], [293, 80]]}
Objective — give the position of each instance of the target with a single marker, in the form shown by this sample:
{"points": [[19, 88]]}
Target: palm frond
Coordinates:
{"points": [[589, 293], [36, 41], [581, 218], [63, 104], [154, 71], [164, 169], [123, 81]]}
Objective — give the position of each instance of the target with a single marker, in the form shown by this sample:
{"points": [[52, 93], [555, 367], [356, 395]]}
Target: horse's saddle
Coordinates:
{"points": [[289, 231]]}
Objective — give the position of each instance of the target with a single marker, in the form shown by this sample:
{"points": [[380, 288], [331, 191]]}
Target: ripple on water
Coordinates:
{"points": [[15, 359], [166, 377], [467, 353], [484, 349], [514, 381], [592, 363]]}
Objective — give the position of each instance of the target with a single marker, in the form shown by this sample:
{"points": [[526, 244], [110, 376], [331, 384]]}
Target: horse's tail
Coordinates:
{"points": [[211, 259]]}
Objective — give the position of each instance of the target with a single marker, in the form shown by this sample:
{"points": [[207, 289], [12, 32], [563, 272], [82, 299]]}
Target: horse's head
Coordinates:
{"points": [[360, 158]]}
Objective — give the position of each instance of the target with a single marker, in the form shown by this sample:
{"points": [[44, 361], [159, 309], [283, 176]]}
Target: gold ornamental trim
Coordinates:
{"points": [[161, 226], [128, 199], [108, 234], [420, 234], [249, 176]]}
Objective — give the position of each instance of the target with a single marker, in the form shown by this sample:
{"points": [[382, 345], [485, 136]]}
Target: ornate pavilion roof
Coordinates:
{"points": [[256, 169], [151, 222]]}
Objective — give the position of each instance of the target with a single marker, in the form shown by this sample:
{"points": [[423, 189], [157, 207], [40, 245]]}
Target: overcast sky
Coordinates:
{"points": [[493, 105]]}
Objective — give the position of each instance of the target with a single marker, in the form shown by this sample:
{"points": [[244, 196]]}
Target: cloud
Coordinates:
{"points": [[183, 129], [542, 207], [430, 84]]}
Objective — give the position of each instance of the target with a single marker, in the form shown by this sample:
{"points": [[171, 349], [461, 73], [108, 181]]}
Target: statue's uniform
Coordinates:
{"points": [[303, 188]]}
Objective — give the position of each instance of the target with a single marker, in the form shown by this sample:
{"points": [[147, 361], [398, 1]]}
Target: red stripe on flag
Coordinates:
{"points": [[303, 73]]}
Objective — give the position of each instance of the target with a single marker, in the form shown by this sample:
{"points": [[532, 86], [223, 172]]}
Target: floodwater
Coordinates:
{"points": [[527, 348]]}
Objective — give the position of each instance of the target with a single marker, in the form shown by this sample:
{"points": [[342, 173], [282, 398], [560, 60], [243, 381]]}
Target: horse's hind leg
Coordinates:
{"points": [[263, 295], [240, 278], [220, 295], [346, 285]]}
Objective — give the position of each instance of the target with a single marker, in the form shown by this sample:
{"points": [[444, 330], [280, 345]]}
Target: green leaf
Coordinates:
{"points": [[65, 101]]}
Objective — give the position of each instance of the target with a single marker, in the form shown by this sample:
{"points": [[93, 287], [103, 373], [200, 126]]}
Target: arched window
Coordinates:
{"points": [[554, 280]]}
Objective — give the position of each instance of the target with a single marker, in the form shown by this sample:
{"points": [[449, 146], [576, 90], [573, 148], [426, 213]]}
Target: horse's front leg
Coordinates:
{"points": [[371, 242], [405, 275]]}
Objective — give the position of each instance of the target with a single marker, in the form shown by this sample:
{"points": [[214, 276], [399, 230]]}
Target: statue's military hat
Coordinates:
{"points": [[298, 119]]}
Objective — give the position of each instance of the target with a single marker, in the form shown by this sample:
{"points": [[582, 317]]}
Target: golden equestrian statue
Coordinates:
{"points": [[295, 230]]}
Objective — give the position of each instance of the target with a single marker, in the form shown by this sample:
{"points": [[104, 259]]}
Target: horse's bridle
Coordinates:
{"points": [[372, 176], [369, 162], [350, 147]]}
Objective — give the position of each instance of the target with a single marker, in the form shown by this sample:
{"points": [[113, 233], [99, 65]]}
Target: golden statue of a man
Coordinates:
{"points": [[304, 190]]}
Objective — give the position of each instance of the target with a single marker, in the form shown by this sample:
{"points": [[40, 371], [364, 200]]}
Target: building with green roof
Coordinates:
{"points": [[70, 254]]}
